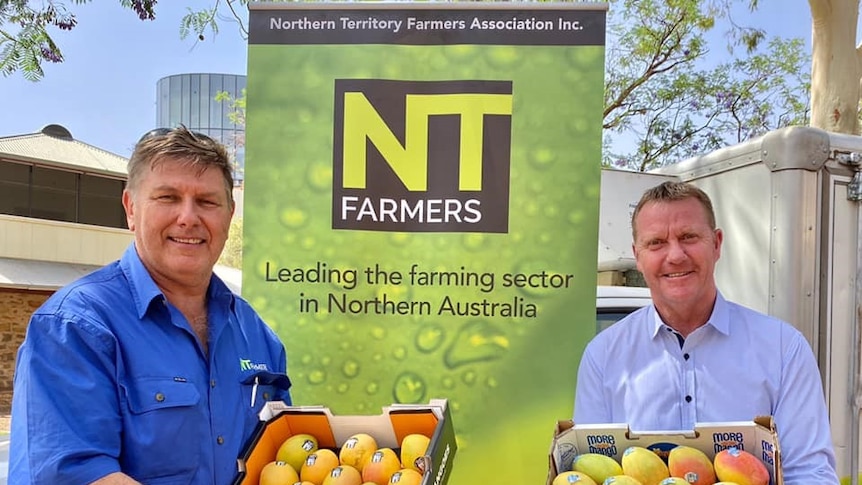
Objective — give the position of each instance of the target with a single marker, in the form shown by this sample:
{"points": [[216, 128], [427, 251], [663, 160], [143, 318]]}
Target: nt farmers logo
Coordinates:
{"points": [[422, 156]]}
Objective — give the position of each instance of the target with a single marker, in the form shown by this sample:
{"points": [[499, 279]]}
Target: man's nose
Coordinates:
{"points": [[188, 213], [675, 251]]}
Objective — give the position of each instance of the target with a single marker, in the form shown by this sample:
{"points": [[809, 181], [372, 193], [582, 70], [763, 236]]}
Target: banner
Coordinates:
{"points": [[421, 211]]}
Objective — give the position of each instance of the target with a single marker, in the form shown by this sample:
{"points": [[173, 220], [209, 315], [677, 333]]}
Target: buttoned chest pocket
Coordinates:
{"points": [[264, 386], [164, 424]]}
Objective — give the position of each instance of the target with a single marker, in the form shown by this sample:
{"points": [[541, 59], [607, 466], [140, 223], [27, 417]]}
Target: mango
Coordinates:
{"points": [[644, 465], [318, 465], [277, 473], [356, 450], [673, 481], [621, 480], [741, 467], [570, 477], [295, 449], [380, 466], [597, 466], [343, 475], [726, 483], [413, 447], [406, 476], [691, 464]]}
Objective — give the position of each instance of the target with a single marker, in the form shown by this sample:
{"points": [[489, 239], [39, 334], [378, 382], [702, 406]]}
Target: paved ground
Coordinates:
{"points": [[4, 448]]}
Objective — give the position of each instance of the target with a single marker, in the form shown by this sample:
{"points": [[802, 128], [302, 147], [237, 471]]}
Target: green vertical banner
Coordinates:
{"points": [[421, 211]]}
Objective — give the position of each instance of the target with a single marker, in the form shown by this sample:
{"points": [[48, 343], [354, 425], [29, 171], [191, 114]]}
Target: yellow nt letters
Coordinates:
{"points": [[410, 162]]}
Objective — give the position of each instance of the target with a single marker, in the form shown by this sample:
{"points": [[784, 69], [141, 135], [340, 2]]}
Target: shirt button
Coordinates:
{"points": [[266, 396], [220, 440], [687, 398], [685, 356], [160, 397], [212, 383]]}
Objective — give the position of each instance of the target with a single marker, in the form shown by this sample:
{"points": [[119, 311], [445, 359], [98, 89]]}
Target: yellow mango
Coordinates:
{"points": [[596, 466], [644, 465], [621, 480], [570, 478]]}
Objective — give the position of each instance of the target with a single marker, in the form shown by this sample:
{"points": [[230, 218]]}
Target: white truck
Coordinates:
{"points": [[789, 205]]}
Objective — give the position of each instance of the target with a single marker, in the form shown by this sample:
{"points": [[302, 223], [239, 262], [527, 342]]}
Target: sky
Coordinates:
{"points": [[105, 91]]}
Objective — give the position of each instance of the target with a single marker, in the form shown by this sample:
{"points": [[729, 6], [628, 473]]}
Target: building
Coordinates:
{"points": [[61, 216], [190, 99]]}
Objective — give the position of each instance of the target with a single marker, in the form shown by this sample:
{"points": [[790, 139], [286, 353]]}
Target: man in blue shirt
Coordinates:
{"points": [[693, 356], [149, 370]]}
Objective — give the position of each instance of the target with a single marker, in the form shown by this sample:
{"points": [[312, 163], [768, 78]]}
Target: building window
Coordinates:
{"points": [[14, 189], [54, 195], [59, 195], [101, 201]]}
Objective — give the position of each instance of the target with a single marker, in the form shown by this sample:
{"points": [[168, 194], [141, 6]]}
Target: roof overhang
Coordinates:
{"points": [[27, 274]]}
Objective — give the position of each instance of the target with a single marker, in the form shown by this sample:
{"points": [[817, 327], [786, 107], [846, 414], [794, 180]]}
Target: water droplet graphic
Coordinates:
{"points": [[476, 341], [317, 377], [430, 337], [409, 388], [468, 377], [350, 368], [293, 217]]}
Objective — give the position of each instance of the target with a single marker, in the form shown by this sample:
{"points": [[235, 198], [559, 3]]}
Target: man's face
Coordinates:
{"points": [[676, 250], [180, 218]]}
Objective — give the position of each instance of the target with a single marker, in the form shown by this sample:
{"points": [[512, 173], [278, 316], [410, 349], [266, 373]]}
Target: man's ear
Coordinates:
{"points": [[129, 207]]}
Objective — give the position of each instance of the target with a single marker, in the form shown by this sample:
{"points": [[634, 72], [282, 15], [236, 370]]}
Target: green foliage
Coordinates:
{"points": [[665, 102], [236, 106], [198, 22], [231, 255], [25, 41]]}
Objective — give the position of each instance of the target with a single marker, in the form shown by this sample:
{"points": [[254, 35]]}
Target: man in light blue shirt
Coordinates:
{"points": [[149, 370], [693, 356]]}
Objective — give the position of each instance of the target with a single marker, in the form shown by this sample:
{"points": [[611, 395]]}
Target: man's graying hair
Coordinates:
{"points": [[672, 192], [179, 145]]}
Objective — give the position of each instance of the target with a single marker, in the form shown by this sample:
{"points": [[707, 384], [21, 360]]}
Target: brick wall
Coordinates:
{"points": [[15, 309]]}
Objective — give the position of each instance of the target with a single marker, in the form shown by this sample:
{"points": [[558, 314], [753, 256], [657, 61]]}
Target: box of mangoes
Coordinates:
{"points": [[741, 453], [406, 444]]}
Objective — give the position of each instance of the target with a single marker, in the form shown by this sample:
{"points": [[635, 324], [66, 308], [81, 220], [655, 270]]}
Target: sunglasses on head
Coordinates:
{"points": [[164, 131]]}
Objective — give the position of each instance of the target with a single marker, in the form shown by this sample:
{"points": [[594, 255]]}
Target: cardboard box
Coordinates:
{"points": [[280, 421], [758, 437]]}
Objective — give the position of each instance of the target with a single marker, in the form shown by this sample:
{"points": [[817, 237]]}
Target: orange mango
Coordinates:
{"points": [[740, 467], [691, 464]]}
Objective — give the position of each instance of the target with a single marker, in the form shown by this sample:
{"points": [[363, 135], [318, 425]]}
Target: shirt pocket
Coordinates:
{"points": [[165, 425], [263, 386]]}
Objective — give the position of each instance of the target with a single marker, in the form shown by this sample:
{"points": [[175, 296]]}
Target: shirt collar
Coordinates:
{"points": [[144, 289], [719, 319]]}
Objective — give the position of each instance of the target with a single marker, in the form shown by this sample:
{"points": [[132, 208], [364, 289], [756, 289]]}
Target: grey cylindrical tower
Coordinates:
{"points": [[190, 99]]}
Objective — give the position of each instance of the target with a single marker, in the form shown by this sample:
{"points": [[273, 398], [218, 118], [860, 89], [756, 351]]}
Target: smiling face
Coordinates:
{"points": [[676, 250], [180, 216]]}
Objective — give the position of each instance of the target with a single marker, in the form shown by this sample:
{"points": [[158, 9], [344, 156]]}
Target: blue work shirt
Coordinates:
{"points": [[111, 378], [739, 365]]}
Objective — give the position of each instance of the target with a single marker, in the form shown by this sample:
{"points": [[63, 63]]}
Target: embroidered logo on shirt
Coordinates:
{"points": [[247, 364]]}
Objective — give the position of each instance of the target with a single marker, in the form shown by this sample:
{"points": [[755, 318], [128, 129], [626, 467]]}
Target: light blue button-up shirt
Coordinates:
{"points": [[111, 378], [740, 365]]}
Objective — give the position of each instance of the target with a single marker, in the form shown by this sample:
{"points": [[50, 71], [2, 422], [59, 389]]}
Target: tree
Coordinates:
{"points": [[25, 41], [665, 100], [835, 65], [231, 255]]}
